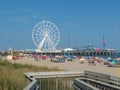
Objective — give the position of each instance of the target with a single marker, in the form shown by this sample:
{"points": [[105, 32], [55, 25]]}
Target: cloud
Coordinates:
{"points": [[22, 15], [36, 16], [19, 19], [31, 13], [27, 10]]}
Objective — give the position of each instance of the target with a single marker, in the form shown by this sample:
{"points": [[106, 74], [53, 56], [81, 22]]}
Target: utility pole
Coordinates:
{"points": [[103, 42]]}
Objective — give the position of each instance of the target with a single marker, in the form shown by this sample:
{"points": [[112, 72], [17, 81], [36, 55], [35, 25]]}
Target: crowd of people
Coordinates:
{"points": [[91, 60]]}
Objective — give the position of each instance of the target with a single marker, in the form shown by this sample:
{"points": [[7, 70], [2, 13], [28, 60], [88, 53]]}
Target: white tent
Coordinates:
{"points": [[68, 49]]}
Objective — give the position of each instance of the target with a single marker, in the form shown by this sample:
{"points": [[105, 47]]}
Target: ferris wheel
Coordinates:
{"points": [[46, 35]]}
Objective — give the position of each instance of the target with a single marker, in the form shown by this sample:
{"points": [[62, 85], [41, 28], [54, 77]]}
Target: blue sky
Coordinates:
{"points": [[84, 21]]}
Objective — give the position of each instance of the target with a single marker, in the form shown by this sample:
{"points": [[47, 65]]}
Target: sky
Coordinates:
{"points": [[80, 22]]}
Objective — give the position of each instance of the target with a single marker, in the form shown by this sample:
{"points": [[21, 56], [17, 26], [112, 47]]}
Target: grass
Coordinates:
{"points": [[12, 75]]}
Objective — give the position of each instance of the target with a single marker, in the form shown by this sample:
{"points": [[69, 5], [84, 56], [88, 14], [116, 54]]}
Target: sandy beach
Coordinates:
{"points": [[71, 66]]}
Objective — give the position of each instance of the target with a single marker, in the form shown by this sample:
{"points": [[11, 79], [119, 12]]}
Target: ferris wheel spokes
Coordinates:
{"points": [[45, 35]]}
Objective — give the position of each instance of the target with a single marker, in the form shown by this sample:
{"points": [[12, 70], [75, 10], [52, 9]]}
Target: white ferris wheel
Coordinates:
{"points": [[46, 35]]}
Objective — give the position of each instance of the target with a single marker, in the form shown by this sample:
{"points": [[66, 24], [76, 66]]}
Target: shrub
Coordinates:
{"points": [[12, 75]]}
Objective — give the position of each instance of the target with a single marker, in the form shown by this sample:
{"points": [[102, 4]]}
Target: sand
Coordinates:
{"points": [[71, 66]]}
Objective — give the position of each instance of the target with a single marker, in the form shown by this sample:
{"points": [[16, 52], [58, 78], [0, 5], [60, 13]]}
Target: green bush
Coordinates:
{"points": [[12, 75]]}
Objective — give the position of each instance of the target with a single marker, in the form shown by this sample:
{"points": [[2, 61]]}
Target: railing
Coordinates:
{"points": [[33, 85], [97, 81], [81, 78], [103, 77], [81, 85], [91, 84]]}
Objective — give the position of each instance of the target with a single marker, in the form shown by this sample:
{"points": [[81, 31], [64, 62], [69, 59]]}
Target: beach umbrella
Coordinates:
{"points": [[82, 59], [65, 55], [105, 59], [117, 58], [109, 58], [114, 62], [71, 56], [96, 57], [57, 56], [44, 56]]}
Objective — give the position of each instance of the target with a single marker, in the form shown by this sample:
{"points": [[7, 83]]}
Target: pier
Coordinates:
{"points": [[76, 53]]}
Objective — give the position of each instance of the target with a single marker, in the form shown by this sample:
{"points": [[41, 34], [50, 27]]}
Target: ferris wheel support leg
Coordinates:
{"points": [[41, 43], [51, 43]]}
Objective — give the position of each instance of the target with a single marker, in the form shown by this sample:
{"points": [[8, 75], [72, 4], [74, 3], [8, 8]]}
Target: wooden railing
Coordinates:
{"points": [[97, 81], [33, 85], [103, 77], [93, 77], [32, 76]]}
